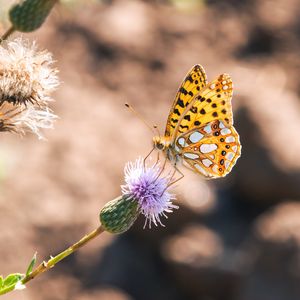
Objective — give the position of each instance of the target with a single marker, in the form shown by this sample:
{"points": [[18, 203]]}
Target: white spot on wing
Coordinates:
{"points": [[207, 128], [227, 164], [206, 162], [212, 86], [229, 139], [196, 137], [215, 168], [200, 169], [229, 155], [181, 142], [225, 131], [191, 155], [234, 148], [225, 87], [224, 82], [177, 148], [221, 125], [206, 148]]}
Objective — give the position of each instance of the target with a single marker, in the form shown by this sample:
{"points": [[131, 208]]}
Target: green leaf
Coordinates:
{"points": [[12, 279], [10, 283], [32, 264], [1, 281]]}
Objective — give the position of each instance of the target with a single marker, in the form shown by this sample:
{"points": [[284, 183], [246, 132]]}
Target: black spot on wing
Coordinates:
{"points": [[180, 103], [183, 91], [176, 111], [190, 79]]}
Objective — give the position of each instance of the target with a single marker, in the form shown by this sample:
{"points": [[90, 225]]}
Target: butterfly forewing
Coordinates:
{"points": [[211, 149], [194, 82], [211, 103]]}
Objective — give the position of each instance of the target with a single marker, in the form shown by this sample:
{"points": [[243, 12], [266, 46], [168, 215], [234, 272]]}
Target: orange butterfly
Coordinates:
{"points": [[199, 130]]}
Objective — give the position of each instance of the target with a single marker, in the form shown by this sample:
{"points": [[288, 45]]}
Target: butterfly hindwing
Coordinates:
{"points": [[193, 83], [211, 149]]}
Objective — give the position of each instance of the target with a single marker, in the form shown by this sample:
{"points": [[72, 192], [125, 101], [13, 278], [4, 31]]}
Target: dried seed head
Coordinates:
{"points": [[26, 75], [25, 118], [26, 81]]}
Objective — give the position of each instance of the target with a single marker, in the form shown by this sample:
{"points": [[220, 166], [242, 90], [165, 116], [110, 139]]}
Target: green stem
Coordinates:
{"points": [[46, 265], [7, 33]]}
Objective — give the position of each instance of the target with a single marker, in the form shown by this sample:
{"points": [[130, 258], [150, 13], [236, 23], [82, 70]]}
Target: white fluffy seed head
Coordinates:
{"points": [[26, 74], [26, 82]]}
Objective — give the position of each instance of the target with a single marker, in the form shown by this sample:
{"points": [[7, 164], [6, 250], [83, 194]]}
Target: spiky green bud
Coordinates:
{"points": [[29, 15], [118, 215]]}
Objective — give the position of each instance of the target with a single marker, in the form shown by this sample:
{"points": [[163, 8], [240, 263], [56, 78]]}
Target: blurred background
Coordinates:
{"points": [[235, 238]]}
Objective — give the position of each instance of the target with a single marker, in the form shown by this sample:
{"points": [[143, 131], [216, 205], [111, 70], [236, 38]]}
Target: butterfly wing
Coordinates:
{"points": [[193, 83], [204, 136], [210, 150], [211, 103]]}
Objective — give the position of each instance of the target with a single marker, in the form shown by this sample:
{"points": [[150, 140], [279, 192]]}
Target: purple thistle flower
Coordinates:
{"points": [[149, 188]]}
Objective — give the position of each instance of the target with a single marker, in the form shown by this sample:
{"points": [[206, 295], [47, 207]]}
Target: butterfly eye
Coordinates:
{"points": [[160, 146]]}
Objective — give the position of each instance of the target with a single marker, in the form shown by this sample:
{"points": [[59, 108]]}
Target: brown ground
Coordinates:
{"points": [[233, 238]]}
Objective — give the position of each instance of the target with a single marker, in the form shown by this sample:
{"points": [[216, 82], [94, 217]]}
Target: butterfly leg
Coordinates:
{"points": [[157, 159], [176, 180], [161, 169]]}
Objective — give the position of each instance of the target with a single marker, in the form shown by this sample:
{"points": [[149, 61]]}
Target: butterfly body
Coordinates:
{"points": [[199, 130], [164, 144]]}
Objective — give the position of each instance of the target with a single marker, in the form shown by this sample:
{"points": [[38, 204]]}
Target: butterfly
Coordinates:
{"points": [[199, 130]]}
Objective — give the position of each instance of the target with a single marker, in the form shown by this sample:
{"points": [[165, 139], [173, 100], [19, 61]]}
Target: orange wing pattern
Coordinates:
{"points": [[200, 125], [212, 103], [211, 150], [193, 83]]}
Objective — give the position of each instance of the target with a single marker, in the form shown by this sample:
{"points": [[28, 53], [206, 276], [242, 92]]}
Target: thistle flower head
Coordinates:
{"points": [[26, 75], [150, 189]]}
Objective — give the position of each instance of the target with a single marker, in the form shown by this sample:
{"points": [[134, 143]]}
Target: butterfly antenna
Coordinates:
{"points": [[157, 130], [142, 119]]}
